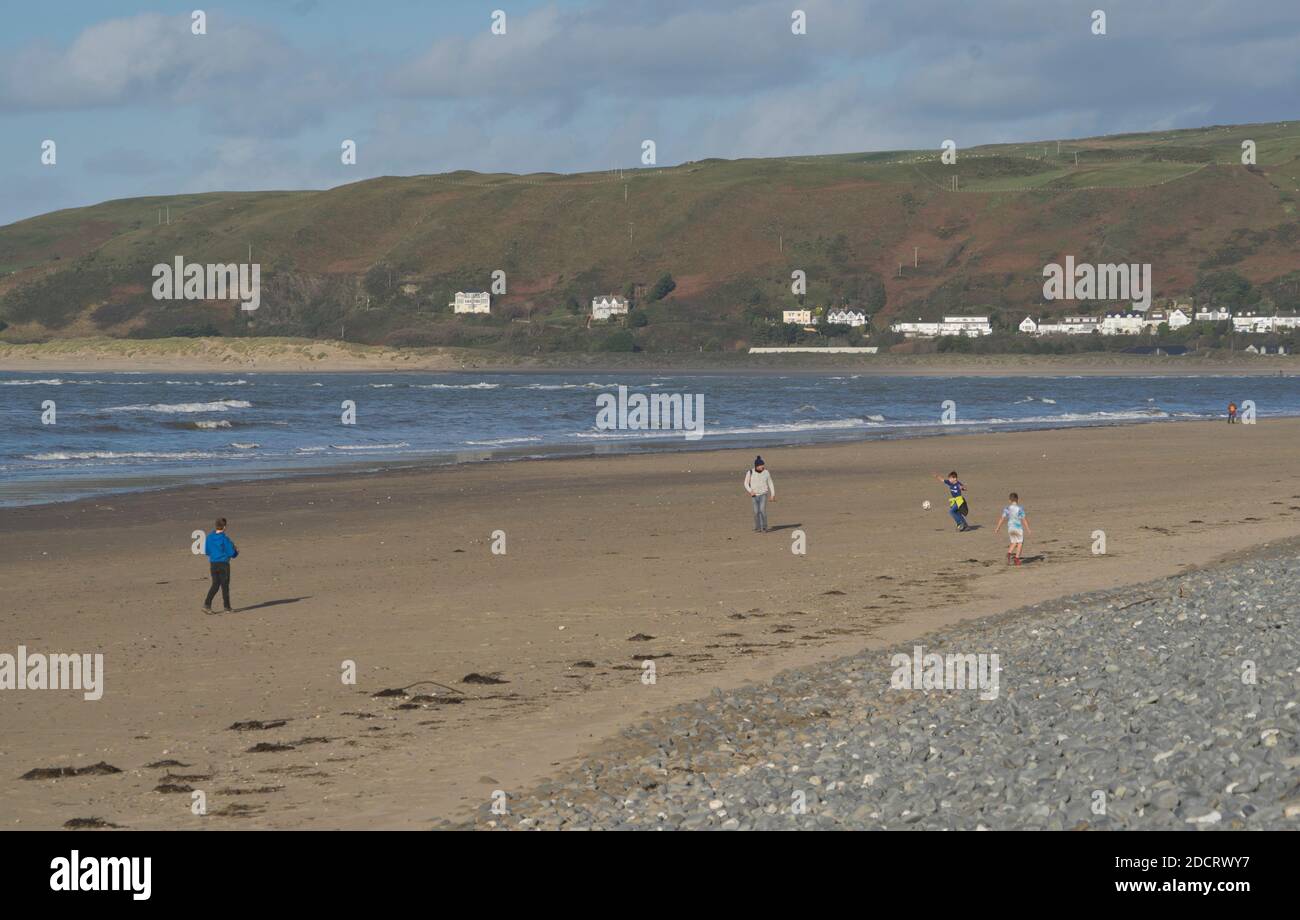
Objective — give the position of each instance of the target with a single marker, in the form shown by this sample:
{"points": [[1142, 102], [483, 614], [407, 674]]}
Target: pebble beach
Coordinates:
{"points": [[1166, 705]]}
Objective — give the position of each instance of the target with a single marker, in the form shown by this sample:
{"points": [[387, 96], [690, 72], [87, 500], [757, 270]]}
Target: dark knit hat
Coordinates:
{"points": [[758, 461]]}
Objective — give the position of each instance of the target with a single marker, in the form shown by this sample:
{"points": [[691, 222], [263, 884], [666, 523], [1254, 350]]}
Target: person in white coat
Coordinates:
{"points": [[759, 486]]}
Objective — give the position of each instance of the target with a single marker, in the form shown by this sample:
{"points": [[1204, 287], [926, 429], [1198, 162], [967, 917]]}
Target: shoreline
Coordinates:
{"points": [[612, 561], [360, 469], [290, 356]]}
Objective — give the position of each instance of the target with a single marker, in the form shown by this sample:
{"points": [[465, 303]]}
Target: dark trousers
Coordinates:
{"points": [[220, 579]]}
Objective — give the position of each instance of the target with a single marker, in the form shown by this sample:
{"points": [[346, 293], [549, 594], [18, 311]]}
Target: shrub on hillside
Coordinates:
{"points": [[663, 287], [619, 341]]}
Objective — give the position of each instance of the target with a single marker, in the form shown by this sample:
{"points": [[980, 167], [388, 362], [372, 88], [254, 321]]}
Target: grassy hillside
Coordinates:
{"points": [[378, 261]]}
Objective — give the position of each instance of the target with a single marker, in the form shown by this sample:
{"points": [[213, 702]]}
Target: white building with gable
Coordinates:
{"points": [[1175, 319], [477, 302], [847, 317], [608, 306], [1212, 315], [1069, 325], [1123, 324]]}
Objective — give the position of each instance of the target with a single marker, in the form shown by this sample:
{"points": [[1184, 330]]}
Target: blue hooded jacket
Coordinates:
{"points": [[219, 547]]}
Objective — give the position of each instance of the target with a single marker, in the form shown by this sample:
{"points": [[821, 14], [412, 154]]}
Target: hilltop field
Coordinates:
{"points": [[705, 250]]}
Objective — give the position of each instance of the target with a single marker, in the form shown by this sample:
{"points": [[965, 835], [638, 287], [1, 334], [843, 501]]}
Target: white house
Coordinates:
{"points": [[969, 326], [478, 302], [1249, 322], [1212, 315], [800, 317], [606, 307], [1069, 325], [1176, 319], [847, 317], [1123, 324]]}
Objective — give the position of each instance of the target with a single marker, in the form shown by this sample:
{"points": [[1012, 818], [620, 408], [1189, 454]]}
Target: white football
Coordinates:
{"points": [[925, 505]]}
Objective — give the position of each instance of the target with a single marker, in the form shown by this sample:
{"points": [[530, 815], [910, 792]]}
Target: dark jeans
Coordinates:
{"points": [[220, 579]]}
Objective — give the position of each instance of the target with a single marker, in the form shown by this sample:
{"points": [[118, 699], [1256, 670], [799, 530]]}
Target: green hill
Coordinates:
{"points": [[378, 261]]}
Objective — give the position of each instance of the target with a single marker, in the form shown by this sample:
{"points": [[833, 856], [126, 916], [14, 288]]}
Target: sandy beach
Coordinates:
{"points": [[289, 355], [608, 561]]}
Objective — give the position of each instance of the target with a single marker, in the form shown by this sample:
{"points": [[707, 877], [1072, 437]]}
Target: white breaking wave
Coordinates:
{"points": [[217, 424], [457, 386], [501, 442], [220, 405], [125, 455], [238, 446], [53, 382], [878, 422], [370, 446], [578, 386]]}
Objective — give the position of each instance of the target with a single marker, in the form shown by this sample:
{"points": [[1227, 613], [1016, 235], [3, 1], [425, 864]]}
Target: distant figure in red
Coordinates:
{"points": [[1232, 412]]}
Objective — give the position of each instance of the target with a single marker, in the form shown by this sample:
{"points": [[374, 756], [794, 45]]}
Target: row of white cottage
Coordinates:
{"points": [[1137, 323], [1111, 324], [604, 307]]}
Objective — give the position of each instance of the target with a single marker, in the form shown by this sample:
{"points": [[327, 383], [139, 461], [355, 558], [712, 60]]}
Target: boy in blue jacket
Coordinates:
{"points": [[220, 550]]}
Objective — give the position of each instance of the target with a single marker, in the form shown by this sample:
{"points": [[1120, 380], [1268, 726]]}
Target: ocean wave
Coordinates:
{"points": [[124, 455], [502, 442], [878, 422], [395, 446], [484, 385], [52, 382], [245, 446], [206, 383], [220, 405], [577, 386], [222, 423]]}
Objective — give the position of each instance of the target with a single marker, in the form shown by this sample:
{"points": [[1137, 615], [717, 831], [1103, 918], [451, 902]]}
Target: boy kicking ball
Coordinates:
{"points": [[1017, 526]]}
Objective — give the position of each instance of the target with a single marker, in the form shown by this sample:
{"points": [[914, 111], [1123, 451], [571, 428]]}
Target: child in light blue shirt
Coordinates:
{"points": [[1017, 526]]}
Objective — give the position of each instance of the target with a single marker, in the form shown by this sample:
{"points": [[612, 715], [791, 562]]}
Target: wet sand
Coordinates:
{"points": [[608, 560]]}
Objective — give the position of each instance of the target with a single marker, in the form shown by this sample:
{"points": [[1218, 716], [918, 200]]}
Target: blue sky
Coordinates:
{"points": [[138, 105]]}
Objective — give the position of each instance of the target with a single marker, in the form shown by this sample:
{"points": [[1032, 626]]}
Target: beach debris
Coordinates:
{"points": [[640, 637], [95, 769], [255, 725], [185, 778], [266, 747], [475, 678], [81, 824]]}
